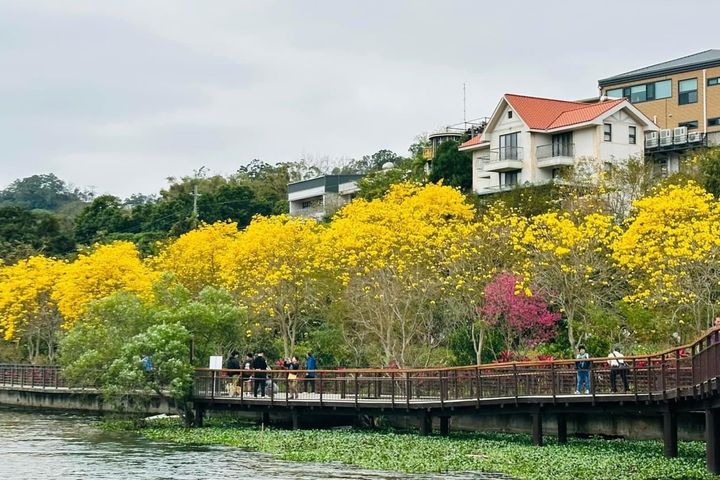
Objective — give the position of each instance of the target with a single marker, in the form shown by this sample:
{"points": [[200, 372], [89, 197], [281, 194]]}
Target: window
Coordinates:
{"points": [[509, 147], [511, 178], [608, 132], [714, 122], [687, 91], [509, 113], [638, 93], [644, 92], [663, 89], [713, 81], [632, 135], [562, 145], [690, 125], [307, 204]]}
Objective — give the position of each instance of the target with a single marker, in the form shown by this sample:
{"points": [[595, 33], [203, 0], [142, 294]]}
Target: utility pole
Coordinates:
{"points": [[195, 194]]}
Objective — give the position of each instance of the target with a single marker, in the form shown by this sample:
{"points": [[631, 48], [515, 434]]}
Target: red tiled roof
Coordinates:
{"points": [[476, 140], [546, 113], [582, 115]]}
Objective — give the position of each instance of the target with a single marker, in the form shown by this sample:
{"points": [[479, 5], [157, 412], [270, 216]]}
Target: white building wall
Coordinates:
{"points": [[620, 148], [482, 180]]}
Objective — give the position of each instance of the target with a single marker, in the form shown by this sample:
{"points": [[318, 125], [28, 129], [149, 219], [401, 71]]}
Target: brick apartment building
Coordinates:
{"points": [[682, 96]]}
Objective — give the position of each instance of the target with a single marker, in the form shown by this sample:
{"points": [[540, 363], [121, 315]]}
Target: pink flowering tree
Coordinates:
{"points": [[521, 318]]}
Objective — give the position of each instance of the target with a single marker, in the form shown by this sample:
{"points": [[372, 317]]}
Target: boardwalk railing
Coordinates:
{"points": [[680, 372], [31, 376]]}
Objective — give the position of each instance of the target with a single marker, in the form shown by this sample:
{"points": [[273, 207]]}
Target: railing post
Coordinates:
{"points": [[515, 377], [320, 387], [649, 377], [552, 379], [392, 388], [662, 376], [214, 381], [677, 373], [408, 389], [692, 370], [478, 387], [343, 386], [357, 389], [442, 389]]}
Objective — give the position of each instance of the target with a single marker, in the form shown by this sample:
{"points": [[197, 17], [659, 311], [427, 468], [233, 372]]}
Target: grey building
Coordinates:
{"points": [[321, 196]]}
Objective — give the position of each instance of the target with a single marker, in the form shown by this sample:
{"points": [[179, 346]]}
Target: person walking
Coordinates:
{"points": [[582, 365], [260, 366], [247, 377], [617, 367], [310, 366], [293, 366]]}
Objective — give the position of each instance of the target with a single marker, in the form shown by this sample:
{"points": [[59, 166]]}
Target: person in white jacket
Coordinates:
{"points": [[617, 367]]}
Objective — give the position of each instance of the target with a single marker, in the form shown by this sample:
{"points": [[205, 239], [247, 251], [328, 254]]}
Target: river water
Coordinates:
{"points": [[48, 445]]}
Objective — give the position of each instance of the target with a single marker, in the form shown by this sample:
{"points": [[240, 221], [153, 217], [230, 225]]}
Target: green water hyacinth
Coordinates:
{"points": [[510, 454]]}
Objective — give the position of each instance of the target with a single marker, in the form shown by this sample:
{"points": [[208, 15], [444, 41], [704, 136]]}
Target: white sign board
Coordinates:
{"points": [[216, 362]]}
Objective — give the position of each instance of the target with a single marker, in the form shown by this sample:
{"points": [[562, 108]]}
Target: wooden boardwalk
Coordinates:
{"points": [[684, 379]]}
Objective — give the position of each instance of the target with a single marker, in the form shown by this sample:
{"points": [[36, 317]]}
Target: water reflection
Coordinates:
{"points": [[49, 445]]}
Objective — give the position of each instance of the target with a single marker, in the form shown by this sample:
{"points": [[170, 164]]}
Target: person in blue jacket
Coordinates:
{"points": [[310, 366]]}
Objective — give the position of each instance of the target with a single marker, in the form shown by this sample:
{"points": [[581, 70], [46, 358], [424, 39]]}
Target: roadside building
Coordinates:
{"points": [[529, 139], [682, 96], [321, 196]]}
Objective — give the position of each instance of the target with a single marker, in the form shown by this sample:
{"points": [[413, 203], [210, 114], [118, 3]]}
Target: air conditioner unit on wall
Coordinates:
{"points": [[666, 137], [651, 139], [695, 137], [680, 135]]}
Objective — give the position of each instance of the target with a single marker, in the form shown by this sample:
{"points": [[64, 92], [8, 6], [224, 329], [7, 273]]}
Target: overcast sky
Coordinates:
{"points": [[119, 95]]}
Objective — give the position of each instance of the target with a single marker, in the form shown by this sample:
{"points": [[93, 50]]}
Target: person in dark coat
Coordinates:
{"points": [[260, 365]]}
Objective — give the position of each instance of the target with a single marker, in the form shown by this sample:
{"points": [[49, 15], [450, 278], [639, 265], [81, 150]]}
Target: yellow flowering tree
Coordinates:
{"points": [[569, 259], [193, 258], [488, 247], [99, 273], [670, 252], [274, 268], [391, 255], [28, 314]]}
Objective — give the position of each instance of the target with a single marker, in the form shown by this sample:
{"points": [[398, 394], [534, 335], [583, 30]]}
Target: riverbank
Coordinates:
{"points": [[511, 454]]}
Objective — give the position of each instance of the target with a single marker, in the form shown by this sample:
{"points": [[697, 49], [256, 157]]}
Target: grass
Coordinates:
{"points": [[511, 454]]}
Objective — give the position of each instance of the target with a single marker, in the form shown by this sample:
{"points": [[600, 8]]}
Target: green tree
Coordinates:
{"points": [[24, 233], [131, 382], [709, 161], [45, 192], [105, 215], [452, 166]]}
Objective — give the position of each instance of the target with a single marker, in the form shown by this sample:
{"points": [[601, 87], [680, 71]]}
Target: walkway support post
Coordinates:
{"points": [[295, 420], [265, 419], [425, 423], [537, 433], [670, 436], [444, 426], [199, 418], [712, 440], [561, 428]]}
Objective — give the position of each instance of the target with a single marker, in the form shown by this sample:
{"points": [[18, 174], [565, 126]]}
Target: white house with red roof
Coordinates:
{"points": [[528, 139]]}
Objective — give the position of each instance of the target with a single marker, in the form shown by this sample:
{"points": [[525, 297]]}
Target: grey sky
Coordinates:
{"points": [[120, 95]]}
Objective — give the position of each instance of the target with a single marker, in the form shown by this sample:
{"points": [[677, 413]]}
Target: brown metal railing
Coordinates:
{"points": [[31, 376], [679, 372]]}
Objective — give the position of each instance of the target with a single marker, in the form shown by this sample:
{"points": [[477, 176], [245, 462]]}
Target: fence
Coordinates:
{"points": [[683, 371], [31, 376]]}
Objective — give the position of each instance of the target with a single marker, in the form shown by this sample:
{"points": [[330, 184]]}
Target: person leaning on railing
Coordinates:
{"points": [[617, 367]]}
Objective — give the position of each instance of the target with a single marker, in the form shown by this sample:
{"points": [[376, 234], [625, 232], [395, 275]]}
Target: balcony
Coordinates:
{"points": [[555, 155], [503, 159]]}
